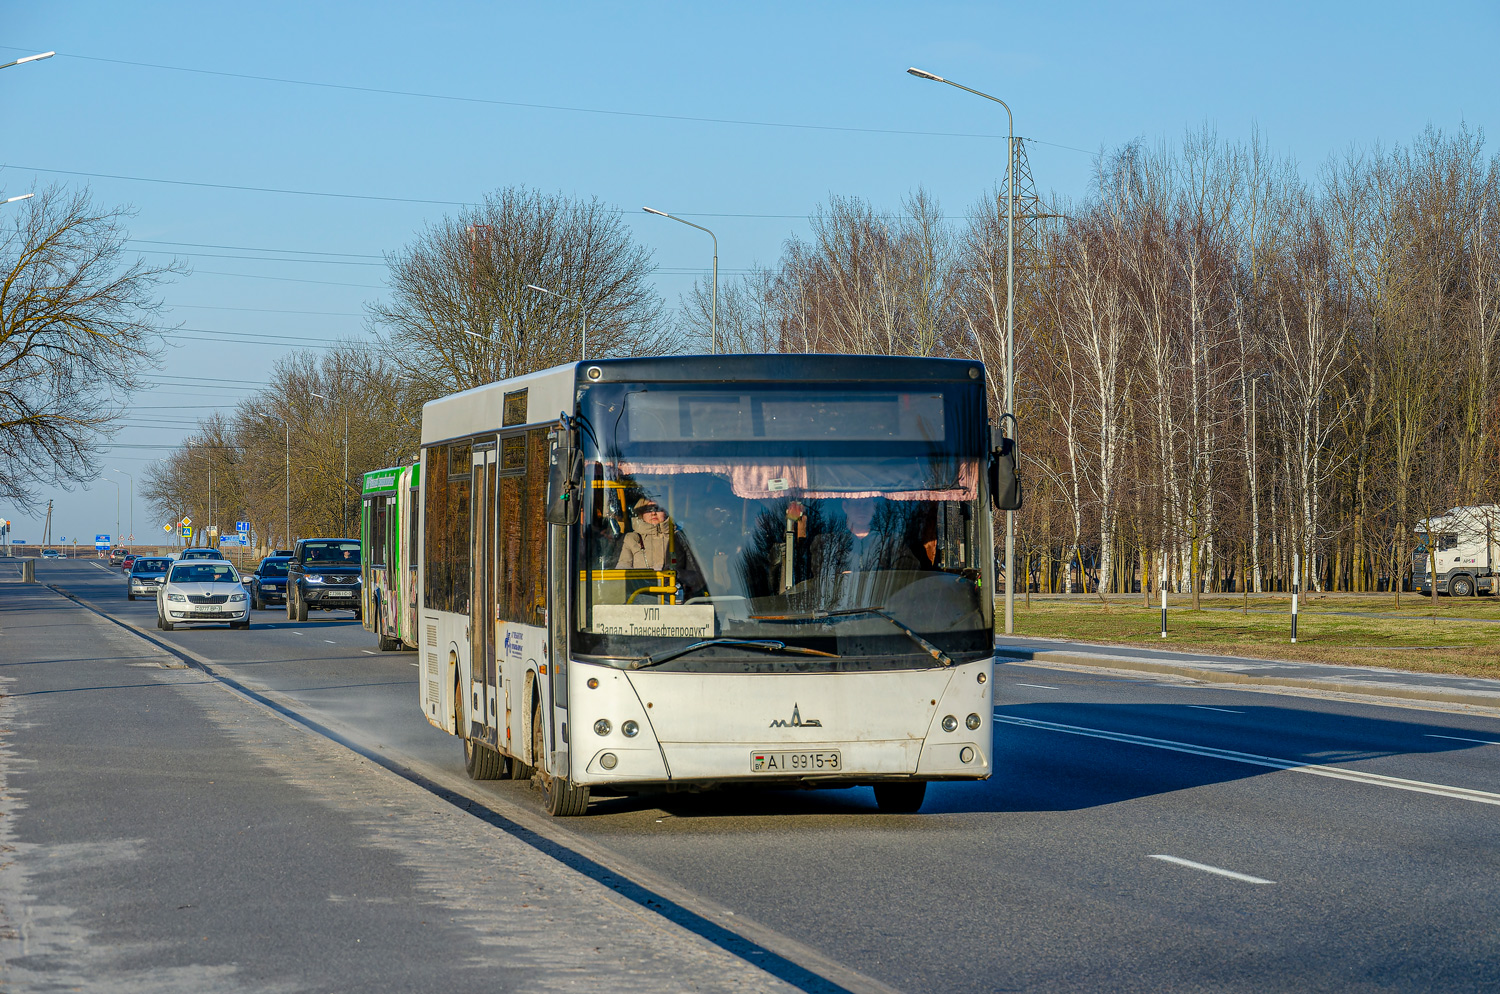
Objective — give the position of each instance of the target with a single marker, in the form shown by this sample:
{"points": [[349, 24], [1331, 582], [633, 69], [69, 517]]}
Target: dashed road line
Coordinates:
{"points": [[330, 641], [1269, 762], [1231, 874], [1460, 738], [369, 652], [1205, 707]]}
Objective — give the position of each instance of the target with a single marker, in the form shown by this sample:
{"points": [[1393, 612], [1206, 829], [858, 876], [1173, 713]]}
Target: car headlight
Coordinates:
{"points": [[177, 597], [313, 578], [236, 598]]}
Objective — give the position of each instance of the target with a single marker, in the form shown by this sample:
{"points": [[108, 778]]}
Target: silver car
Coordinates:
{"points": [[202, 591], [146, 574]]}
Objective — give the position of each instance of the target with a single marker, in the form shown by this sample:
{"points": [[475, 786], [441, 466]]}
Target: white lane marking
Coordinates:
{"points": [[414, 664], [1038, 686], [1205, 707], [1271, 762], [296, 633], [369, 652], [1460, 738], [330, 641], [1244, 877]]}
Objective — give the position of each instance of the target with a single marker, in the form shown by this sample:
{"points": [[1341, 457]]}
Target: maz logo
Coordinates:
{"points": [[797, 721]]}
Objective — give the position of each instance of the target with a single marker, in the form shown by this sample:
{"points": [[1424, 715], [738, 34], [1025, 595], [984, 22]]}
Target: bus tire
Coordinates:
{"points": [[900, 798], [565, 799], [481, 762]]}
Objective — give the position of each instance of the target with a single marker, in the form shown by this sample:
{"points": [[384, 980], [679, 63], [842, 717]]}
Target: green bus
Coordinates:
{"points": [[388, 529]]}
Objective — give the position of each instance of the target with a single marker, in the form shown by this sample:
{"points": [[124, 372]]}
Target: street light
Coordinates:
{"points": [[713, 317], [345, 481], [1010, 320], [583, 316], [24, 196], [116, 535], [132, 500], [29, 58]]}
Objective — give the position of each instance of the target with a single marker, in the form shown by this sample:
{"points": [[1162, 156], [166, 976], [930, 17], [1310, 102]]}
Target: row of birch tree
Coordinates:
{"points": [[1226, 370]]}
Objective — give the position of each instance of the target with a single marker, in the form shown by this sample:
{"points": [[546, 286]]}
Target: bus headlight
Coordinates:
{"points": [[949, 723], [972, 721], [602, 726], [609, 760], [630, 728]]}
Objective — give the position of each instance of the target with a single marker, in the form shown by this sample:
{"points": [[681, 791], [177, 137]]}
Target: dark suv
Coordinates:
{"points": [[323, 575], [267, 584]]}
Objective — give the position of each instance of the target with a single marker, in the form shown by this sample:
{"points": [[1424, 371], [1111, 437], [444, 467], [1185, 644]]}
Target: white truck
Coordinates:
{"points": [[1464, 545]]}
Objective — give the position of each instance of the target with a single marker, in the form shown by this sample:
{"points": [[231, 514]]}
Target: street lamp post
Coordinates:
{"points": [[345, 482], [1010, 319], [288, 426], [29, 58], [11, 200], [132, 500], [583, 316], [713, 314], [116, 536]]}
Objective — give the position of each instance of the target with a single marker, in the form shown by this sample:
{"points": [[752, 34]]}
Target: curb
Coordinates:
{"points": [[1102, 661]]}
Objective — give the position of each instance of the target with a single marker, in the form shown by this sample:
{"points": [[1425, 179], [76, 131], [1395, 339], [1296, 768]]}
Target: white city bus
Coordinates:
{"points": [[713, 571]]}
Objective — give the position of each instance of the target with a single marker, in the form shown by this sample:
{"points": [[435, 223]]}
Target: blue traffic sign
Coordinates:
{"points": [[242, 526], [101, 542]]}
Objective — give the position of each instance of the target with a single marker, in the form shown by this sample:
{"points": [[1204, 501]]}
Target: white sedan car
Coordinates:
{"points": [[203, 590]]}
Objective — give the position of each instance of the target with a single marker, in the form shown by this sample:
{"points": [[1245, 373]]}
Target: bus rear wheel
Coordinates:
{"points": [[565, 799], [481, 762], [902, 798]]}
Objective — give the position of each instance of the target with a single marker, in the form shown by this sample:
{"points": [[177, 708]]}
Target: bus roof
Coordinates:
{"points": [[551, 392], [379, 481]]}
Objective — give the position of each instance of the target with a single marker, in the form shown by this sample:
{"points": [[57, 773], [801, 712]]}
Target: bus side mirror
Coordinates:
{"points": [[562, 490], [1005, 476]]}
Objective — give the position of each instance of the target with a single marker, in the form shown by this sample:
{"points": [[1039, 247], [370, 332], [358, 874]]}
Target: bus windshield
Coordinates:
{"points": [[843, 519]]}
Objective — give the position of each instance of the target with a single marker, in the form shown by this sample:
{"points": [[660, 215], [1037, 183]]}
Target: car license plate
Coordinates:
{"points": [[340, 593], [211, 608], [822, 761]]}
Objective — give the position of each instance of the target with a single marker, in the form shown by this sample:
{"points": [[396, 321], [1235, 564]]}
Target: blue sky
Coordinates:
{"points": [[1316, 78]]}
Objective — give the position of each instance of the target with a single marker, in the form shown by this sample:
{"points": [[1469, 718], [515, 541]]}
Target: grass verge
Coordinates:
{"points": [[1462, 637]]}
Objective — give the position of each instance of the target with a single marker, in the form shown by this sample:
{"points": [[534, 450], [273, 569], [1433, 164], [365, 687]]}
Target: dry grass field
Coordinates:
{"points": [[1462, 636]]}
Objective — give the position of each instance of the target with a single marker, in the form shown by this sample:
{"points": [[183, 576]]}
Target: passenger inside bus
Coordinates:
{"points": [[655, 542]]}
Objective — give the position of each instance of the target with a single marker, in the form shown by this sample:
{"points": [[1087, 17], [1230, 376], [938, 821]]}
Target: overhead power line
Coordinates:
{"points": [[564, 108]]}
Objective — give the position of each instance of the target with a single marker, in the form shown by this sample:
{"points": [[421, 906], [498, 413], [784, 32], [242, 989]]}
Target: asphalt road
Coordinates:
{"points": [[1139, 835]]}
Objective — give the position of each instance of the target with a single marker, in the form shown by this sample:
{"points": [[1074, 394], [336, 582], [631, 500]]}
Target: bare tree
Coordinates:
{"points": [[78, 325], [461, 313]]}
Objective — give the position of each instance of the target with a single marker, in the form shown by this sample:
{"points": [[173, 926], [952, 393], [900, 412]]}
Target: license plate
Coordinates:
{"points": [[340, 593], [211, 608], [823, 761]]}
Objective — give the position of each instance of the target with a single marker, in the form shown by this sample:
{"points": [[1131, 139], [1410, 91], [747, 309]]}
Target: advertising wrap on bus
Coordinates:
{"points": [[747, 569]]}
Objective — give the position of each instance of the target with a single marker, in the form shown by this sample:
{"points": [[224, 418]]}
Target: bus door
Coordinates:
{"points": [[483, 614]]}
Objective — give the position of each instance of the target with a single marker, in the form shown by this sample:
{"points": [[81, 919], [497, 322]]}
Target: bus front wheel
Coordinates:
{"points": [[565, 799], [902, 798]]}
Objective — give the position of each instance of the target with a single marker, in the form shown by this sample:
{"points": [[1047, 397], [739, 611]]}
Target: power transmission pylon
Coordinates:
{"points": [[1031, 218]]}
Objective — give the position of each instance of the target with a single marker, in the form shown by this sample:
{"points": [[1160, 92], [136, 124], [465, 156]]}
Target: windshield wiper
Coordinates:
{"points": [[877, 611], [768, 645]]}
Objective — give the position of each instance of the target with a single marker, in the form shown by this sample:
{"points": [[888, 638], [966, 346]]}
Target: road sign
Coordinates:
{"points": [[101, 542], [187, 532], [242, 526], [166, 528], [185, 521]]}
